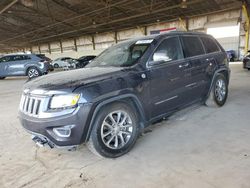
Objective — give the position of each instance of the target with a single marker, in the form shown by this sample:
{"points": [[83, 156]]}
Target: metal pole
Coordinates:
{"points": [[244, 8]]}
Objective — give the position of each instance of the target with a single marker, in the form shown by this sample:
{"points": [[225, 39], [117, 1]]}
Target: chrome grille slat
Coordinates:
{"points": [[38, 107], [25, 104], [30, 105], [35, 107]]}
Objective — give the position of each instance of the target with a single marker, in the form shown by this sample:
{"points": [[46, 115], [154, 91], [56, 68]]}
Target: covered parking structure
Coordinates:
{"points": [[76, 27]]}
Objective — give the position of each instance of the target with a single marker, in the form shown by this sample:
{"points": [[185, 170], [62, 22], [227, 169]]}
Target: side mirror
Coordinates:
{"points": [[161, 57]]}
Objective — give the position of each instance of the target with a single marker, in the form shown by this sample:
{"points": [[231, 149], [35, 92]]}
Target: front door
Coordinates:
{"points": [[16, 66], [168, 77], [4, 61]]}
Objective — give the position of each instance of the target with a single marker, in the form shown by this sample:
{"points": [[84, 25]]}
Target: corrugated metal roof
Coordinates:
{"points": [[30, 22]]}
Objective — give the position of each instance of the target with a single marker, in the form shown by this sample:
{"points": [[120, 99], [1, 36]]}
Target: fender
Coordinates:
{"points": [[113, 99], [214, 76]]}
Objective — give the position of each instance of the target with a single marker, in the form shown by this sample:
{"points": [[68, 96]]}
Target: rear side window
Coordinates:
{"points": [[25, 57], [192, 46], [17, 58], [210, 45]]}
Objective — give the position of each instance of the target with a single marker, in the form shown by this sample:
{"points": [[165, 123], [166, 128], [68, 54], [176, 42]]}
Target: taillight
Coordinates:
{"points": [[43, 61]]}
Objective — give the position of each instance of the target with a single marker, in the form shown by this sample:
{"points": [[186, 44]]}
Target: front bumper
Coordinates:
{"points": [[43, 127], [246, 63]]}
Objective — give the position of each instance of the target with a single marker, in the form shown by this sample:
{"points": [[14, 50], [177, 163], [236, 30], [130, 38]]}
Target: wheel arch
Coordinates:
{"points": [[130, 99], [31, 66], [225, 72]]}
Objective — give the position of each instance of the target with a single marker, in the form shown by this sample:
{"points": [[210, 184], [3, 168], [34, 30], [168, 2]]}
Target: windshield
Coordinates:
{"points": [[124, 54]]}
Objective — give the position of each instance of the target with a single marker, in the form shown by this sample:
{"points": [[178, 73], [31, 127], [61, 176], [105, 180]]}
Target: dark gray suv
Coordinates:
{"points": [[30, 65], [126, 88]]}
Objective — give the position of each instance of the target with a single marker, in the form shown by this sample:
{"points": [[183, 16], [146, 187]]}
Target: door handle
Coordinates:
{"points": [[184, 65]]}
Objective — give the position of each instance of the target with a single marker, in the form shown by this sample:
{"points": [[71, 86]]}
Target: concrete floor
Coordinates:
{"points": [[201, 147]]}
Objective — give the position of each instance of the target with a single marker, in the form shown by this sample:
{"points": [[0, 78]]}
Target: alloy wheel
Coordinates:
{"points": [[220, 90], [33, 73], [116, 129]]}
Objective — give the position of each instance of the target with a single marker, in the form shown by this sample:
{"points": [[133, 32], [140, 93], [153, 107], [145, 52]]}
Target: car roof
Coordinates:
{"points": [[170, 33], [17, 54]]}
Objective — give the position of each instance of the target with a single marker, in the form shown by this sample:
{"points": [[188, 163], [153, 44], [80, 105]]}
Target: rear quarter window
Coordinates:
{"points": [[210, 45], [192, 46]]}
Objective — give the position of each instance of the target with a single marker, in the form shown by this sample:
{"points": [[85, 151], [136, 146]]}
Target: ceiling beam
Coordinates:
{"points": [[8, 6]]}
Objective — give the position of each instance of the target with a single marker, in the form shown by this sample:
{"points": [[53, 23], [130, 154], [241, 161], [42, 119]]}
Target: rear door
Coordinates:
{"points": [[168, 77], [194, 54], [213, 55]]}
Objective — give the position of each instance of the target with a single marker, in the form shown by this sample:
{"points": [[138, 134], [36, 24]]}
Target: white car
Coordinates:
{"points": [[64, 62]]}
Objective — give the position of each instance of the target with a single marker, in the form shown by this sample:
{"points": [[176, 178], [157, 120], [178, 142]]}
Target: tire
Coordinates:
{"points": [[109, 139], [56, 66], [2, 78], [219, 92], [33, 72]]}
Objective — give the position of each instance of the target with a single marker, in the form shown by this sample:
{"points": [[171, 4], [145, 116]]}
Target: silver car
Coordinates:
{"points": [[30, 65]]}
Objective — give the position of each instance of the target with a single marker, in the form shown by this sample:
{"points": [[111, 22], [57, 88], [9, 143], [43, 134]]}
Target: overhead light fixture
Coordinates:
{"points": [[184, 4], [28, 3]]}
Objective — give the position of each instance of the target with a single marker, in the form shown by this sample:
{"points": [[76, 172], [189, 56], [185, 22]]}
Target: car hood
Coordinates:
{"points": [[69, 80]]}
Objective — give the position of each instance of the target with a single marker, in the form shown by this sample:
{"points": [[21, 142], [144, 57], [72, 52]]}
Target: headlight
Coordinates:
{"points": [[41, 64], [64, 101]]}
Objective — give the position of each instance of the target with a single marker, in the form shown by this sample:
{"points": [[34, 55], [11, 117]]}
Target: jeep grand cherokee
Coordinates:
{"points": [[126, 88]]}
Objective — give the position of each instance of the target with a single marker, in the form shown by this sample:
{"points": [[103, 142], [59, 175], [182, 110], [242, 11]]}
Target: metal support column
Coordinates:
{"points": [[246, 13]]}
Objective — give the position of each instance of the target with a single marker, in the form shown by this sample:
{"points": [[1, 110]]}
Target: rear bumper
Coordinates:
{"points": [[44, 127], [45, 69]]}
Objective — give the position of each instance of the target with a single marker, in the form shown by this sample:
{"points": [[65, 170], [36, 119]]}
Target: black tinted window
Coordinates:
{"points": [[192, 46], [6, 59], [17, 58], [25, 57], [168, 50], [210, 45]]}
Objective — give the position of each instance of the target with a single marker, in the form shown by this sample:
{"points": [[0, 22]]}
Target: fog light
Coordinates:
{"points": [[64, 131]]}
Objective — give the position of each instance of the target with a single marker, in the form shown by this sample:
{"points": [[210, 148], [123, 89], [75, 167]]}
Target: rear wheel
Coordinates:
{"points": [[56, 66], [219, 92], [115, 131], [33, 72]]}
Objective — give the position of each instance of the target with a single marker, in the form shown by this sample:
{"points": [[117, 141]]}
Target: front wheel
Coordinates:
{"points": [[115, 131], [219, 92]]}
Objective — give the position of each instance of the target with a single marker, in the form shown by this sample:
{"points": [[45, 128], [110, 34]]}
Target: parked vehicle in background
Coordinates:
{"points": [[84, 60], [231, 54], [126, 88], [29, 65], [64, 62], [246, 61]]}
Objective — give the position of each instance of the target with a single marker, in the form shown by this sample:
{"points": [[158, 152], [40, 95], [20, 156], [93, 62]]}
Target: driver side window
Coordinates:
{"points": [[6, 59], [169, 50]]}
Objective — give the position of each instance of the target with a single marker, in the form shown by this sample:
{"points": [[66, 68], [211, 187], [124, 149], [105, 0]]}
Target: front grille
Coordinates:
{"points": [[30, 105]]}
